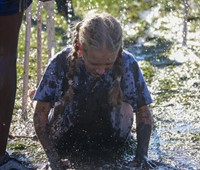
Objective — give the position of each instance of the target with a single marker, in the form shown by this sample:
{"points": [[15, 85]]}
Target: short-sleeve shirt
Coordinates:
{"points": [[9, 7]]}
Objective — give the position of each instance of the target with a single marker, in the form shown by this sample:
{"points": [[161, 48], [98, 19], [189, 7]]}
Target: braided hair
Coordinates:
{"points": [[97, 31]]}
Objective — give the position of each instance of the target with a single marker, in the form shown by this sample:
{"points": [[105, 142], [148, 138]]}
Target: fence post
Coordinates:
{"points": [[51, 46], [26, 62], [50, 27], [39, 40]]}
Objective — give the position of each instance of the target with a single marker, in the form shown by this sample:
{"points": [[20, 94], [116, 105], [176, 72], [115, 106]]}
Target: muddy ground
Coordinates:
{"points": [[176, 134]]}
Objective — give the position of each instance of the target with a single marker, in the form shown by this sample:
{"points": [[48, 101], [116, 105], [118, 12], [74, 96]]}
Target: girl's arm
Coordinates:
{"points": [[144, 123], [42, 110]]}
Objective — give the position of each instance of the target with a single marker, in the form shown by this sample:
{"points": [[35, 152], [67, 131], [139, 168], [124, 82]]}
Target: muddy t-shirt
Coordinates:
{"points": [[90, 107]]}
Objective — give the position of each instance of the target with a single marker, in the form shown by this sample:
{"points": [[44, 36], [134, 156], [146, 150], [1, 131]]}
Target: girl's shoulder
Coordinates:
{"points": [[59, 62], [63, 54], [128, 58], [61, 57]]}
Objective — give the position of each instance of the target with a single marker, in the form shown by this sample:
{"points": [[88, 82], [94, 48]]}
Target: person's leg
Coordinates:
{"points": [[122, 120], [65, 8], [9, 32], [62, 7]]}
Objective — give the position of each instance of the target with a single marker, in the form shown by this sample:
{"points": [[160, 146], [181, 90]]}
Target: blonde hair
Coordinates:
{"points": [[98, 31]]}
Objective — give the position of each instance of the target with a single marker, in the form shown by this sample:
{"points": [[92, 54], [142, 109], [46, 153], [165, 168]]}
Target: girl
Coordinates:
{"points": [[89, 92]]}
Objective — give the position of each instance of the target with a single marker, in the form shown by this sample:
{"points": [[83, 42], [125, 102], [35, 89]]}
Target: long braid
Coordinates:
{"points": [[68, 96], [116, 92]]}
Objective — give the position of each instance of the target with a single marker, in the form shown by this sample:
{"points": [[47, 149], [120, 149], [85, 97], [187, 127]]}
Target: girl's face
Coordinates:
{"points": [[97, 62]]}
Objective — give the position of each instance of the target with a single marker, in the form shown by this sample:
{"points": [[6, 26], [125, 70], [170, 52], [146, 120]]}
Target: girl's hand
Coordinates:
{"points": [[55, 161], [66, 163], [58, 166], [144, 163]]}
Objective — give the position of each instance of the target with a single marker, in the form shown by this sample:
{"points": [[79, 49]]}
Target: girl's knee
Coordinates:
{"points": [[122, 119]]}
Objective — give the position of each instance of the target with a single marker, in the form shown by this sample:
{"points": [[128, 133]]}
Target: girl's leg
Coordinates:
{"points": [[122, 120], [9, 32]]}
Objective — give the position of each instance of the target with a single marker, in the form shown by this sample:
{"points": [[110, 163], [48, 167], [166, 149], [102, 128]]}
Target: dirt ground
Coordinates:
{"points": [[176, 134]]}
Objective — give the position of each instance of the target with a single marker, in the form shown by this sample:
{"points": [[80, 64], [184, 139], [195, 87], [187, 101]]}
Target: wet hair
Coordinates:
{"points": [[103, 32]]}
